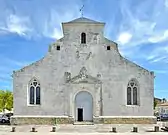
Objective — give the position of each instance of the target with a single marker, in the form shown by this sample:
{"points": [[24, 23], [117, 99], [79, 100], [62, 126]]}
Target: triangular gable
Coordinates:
{"points": [[87, 79], [83, 77], [84, 20]]}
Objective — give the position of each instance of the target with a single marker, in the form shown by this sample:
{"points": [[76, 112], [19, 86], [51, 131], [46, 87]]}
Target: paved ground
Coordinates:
{"points": [[83, 133], [83, 129]]}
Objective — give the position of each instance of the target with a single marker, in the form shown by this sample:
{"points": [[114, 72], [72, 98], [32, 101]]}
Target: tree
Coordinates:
{"points": [[6, 100], [164, 100], [155, 103]]}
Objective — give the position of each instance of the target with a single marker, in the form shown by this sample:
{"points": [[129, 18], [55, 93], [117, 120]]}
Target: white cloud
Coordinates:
{"points": [[124, 38], [8, 64], [159, 38], [166, 3], [158, 54], [3, 31], [161, 71], [142, 26], [16, 63], [56, 33], [141, 32], [150, 57], [16, 24], [57, 19], [45, 23], [52, 25], [158, 59]]}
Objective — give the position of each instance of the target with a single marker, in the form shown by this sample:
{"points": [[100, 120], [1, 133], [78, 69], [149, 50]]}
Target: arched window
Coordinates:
{"points": [[34, 92], [132, 92], [83, 38]]}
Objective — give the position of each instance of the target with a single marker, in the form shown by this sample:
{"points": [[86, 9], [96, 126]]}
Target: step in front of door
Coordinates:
{"points": [[83, 123]]}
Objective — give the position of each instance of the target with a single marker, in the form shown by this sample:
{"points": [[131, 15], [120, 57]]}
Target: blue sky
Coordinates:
{"points": [[140, 27]]}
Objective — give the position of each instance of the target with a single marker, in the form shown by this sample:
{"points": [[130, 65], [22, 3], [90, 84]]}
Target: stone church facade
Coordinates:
{"points": [[83, 77]]}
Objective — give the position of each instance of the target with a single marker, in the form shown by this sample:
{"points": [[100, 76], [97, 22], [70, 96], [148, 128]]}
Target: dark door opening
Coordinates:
{"points": [[80, 114]]}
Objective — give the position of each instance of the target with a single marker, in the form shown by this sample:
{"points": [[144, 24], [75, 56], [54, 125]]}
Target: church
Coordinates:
{"points": [[83, 78]]}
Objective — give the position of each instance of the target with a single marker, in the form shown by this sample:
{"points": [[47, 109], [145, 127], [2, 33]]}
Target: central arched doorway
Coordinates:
{"points": [[83, 106]]}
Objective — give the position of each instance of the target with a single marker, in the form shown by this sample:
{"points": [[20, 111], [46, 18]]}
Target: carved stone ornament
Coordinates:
{"points": [[83, 55], [98, 75], [83, 72], [77, 54], [89, 55], [82, 77], [97, 86], [67, 76]]}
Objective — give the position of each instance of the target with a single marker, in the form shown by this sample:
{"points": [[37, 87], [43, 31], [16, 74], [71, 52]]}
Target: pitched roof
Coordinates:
{"points": [[83, 20]]}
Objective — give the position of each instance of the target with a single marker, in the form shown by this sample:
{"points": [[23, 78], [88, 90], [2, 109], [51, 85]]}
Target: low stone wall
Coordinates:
{"points": [[40, 120], [125, 120], [69, 120]]}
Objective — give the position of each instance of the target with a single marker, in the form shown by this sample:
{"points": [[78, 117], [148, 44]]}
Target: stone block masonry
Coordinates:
{"points": [[51, 120]]}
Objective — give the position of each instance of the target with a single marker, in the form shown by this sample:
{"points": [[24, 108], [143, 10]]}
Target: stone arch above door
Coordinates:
{"points": [[84, 82], [83, 106]]}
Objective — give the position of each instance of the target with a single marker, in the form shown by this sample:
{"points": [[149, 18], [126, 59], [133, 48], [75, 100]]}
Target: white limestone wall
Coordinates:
{"points": [[116, 97], [115, 71]]}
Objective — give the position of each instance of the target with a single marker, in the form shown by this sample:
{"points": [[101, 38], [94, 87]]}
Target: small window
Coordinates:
{"points": [[83, 38], [31, 95], [108, 47], [38, 95], [58, 47], [128, 96], [135, 102]]}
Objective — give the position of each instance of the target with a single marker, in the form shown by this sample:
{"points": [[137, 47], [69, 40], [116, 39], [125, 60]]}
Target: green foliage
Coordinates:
{"points": [[155, 103], [164, 100], [6, 100], [49, 48]]}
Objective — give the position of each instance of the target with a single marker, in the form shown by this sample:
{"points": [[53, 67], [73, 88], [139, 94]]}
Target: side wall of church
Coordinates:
{"points": [[115, 89], [50, 76]]}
